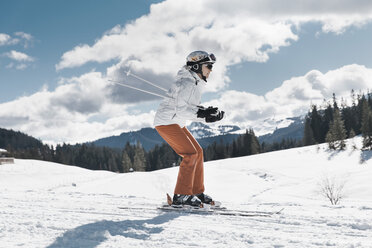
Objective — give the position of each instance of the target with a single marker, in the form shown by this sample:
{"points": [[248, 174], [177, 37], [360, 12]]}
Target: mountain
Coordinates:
{"points": [[295, 130], [149, 137], [52, 205]]}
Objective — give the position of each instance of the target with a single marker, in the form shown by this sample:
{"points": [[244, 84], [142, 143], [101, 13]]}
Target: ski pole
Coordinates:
{"points": [[135, 88], [129, 73], [145, 91]]}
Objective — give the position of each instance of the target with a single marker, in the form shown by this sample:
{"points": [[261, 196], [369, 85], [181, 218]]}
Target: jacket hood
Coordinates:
{"points": [[184, 72]]}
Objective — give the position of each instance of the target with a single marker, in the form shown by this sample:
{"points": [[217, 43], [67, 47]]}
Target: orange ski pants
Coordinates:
{"points": [[190, 179]]}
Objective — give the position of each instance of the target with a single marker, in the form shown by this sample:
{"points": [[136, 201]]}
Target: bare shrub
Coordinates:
{"points": [[332, 189]]}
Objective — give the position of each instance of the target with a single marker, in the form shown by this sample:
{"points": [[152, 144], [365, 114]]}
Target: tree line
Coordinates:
{"points": [[337, 122], [132, 157]]}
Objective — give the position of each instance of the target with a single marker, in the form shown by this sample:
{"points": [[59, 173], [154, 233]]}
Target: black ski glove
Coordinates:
{"points": [[205, 112], [215, 117]]}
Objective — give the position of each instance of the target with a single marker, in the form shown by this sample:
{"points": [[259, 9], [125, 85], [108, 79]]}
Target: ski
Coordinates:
{"points": [[206, 211], [214, 211]]}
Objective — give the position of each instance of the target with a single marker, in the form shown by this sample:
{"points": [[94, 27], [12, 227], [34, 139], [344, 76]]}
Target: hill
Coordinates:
{"points": [[17, 140], [52, 205], [21, 145]]}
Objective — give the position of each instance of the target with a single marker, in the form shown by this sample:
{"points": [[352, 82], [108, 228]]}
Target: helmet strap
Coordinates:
{"points": [[197, 68]]}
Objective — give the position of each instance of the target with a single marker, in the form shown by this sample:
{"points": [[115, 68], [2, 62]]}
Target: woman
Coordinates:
{"points": [[170, 119]]}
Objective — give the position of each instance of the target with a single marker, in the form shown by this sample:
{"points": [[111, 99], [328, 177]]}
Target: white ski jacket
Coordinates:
{"points": [[184, 97]]}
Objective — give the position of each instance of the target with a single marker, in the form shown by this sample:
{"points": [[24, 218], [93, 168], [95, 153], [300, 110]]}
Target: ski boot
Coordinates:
{"points": [[190, 200], [204, 198]]}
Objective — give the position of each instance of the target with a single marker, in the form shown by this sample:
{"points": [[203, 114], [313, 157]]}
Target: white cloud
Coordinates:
{"points": [[25, 38], [6, 39], [78, 110], [234, 30], [24, 35], [19, 56], [153, 43]]}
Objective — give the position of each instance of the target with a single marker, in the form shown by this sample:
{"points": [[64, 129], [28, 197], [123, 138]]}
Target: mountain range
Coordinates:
{"points": [[207, 135]]}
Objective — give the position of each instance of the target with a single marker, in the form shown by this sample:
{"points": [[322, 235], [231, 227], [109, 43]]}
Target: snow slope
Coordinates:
{"points": [[51, 205]]}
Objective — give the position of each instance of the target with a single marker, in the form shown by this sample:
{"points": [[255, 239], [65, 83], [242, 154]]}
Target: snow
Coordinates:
{"points": [[46, 204]]}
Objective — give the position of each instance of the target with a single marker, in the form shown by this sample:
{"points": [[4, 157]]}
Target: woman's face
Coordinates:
{"points": [[206, 69]]}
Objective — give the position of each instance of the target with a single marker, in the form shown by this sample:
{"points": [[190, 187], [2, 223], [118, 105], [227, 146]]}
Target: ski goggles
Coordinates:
{"points": [[210, 59]]}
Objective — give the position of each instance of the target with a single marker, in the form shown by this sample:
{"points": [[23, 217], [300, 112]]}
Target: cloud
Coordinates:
{"points": [[153, 43], [78, 110], [25, 38], [6, 39], [22, 60], [22, 37], [236, 31], [19, 56]]}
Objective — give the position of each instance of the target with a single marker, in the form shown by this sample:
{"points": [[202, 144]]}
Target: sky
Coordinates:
{"points": [[274, 59]]}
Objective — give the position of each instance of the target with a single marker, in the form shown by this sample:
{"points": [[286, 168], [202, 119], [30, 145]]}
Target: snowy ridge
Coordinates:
{"points": [[200, 130], [268, 126], [262, 127], [51, 205]]}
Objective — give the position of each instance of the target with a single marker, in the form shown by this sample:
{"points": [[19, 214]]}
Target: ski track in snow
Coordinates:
{"points": [[65, 206]]}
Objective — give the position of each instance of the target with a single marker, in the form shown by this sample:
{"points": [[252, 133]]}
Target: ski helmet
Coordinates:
{"points": [[195, 60]]}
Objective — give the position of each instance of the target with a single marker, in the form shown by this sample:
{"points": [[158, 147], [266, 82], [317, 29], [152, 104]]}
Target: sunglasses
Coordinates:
{"points": [[209, 66]]}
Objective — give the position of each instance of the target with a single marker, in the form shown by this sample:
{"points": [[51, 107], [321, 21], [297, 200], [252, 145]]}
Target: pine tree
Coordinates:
{"points": [[327, 119], [337, 134], [308, 138], [139, 161], [335, 106], [316, 124], [359, 113], [234, 150], [126, 163], [366, 126], [247, 143], [255, 145]]}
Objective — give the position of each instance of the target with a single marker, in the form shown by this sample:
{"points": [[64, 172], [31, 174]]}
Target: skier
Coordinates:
{"points": [[184, 104]]}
